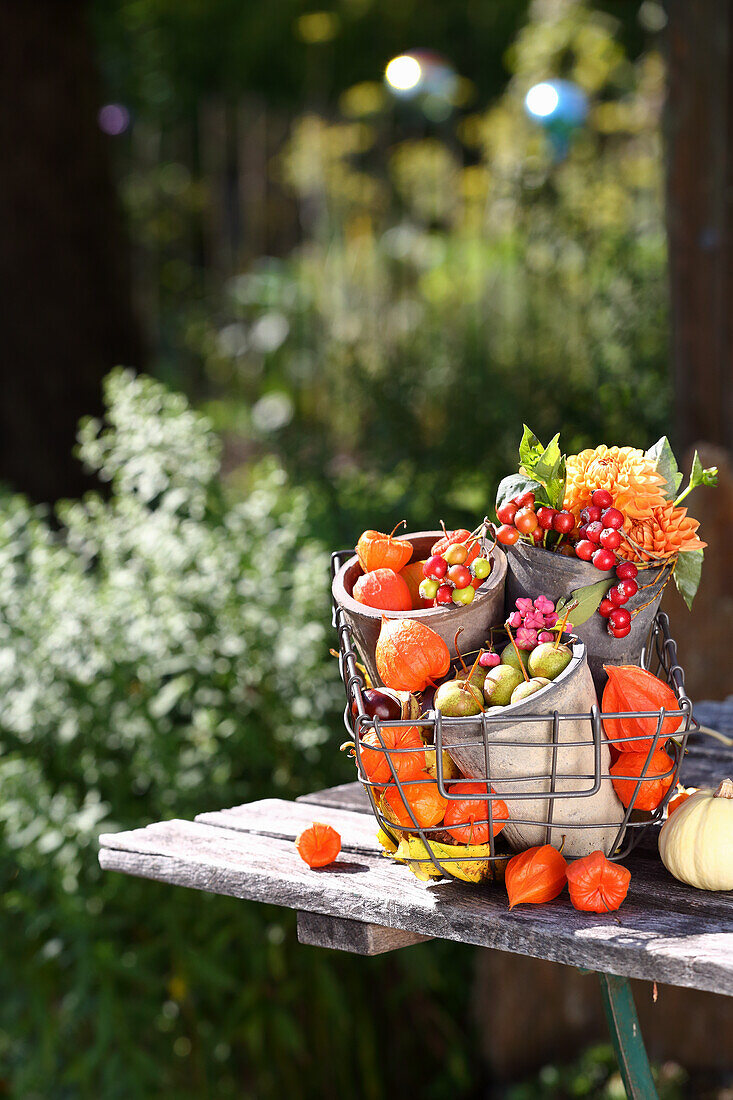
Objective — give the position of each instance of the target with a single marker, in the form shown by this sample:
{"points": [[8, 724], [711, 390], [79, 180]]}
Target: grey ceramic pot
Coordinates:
{"points": [[512, 767], [486, 610], [532, 571]]}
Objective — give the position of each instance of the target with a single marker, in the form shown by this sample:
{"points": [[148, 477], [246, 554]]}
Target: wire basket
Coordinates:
{"points": [[659, 656]]}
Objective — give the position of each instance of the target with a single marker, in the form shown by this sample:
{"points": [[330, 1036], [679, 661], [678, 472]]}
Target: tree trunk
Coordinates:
{"points": [[700, 217], [63, 260]]}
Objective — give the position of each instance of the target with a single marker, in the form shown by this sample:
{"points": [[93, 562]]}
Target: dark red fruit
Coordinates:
{"points": [[506, 513], [583, 531], [602, 498], [377, 704], [610, 538], [605, 607], [563, 522], [507, 535], [593, 531], [525, 500], [618, 631], [435, 567], [626, 571], [590, 514], [616, 596], [538, 536], [604, 559], [628, 587], [545, 517], [619, 618], [585, 549], [612, 518], [444, 595]]}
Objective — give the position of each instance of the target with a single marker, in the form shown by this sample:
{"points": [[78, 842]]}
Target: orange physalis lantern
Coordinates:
{"points": [[596, 885], [631, 688], [385, 589], [423, 798], [403, 747], [467, 821], [679, 797], [410, 655], [535, 876], [653, 788], [318, 845], [378, 551]]}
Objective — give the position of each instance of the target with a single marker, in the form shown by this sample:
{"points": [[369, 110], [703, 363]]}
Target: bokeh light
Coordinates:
{"points": [[541, 100], [113, 119], [403, 73]]}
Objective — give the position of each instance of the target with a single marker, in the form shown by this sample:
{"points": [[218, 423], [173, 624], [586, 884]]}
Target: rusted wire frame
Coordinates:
{"points": [[664, 649]]}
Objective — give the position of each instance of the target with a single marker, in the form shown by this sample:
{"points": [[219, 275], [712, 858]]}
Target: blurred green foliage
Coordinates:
{"points": [[163, 653], [453, 285]]}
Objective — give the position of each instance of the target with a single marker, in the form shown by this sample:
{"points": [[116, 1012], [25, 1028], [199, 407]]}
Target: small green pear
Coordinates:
{"points": [[458, 699], [546, 660], [529, 687], [499, 684], [476, 678], [509, 657]]}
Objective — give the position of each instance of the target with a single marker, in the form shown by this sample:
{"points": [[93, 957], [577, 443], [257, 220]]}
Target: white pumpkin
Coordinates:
{"points": [[696, 841]]}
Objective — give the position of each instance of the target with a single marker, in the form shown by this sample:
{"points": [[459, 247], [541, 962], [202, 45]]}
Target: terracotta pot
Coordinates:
{"points": [[532, 571], [511, 767], [486, 610]]}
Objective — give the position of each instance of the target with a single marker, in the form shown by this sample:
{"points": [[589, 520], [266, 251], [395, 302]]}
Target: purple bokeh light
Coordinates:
{"points": [[113, 119]]}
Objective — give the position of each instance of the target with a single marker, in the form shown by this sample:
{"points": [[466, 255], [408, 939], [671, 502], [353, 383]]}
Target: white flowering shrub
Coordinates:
{"points": [[162, 651]]}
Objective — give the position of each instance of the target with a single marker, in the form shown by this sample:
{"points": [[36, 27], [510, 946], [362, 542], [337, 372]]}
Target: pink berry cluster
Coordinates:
{"points": [[532, 621]]}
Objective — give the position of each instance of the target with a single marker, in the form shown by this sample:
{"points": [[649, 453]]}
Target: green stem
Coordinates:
{"points": [[682, 496]]}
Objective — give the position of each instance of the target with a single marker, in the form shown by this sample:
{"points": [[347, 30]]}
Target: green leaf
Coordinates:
{"points": [[687, 573], [513, 485], [545, 464], [662, 455], [701, 476], [530, 450], [588, 598]]}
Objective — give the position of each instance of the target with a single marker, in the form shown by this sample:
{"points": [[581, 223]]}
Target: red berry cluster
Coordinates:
{"points": [[619, 618], [596, 541], [599, 535], [449, 580], [518, 517]]}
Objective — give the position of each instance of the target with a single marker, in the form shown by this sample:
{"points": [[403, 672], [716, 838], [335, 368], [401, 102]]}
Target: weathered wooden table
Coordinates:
{"points": [[365, 903]]}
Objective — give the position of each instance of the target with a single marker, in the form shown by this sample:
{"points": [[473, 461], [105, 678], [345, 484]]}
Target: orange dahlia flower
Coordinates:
{"points": [[664, 534], [629, 476]]}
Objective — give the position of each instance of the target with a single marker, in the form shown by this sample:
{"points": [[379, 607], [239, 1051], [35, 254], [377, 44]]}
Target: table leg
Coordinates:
{"points": [[628, 1042]]}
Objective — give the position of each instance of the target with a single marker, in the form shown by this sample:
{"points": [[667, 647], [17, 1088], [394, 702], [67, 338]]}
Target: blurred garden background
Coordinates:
{"points": [[337, 297]]}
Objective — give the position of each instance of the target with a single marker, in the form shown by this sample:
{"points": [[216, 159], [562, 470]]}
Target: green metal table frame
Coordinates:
{"points": [[626, 1036]]}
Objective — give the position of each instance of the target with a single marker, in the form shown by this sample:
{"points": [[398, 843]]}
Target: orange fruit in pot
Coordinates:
{"points": [[459, 535], [378, 551], [655, 783], [423, 798], [404, 748], [383, 588], [410, 655], [413, 576], [467, 821]]}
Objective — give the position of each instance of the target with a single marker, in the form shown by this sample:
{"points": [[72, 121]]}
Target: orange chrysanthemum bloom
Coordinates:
{"points": [[664, 534], [629, 476]]}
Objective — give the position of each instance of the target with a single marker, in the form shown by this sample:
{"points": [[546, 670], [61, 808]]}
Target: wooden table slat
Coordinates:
{"points": [[665, 932]]}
